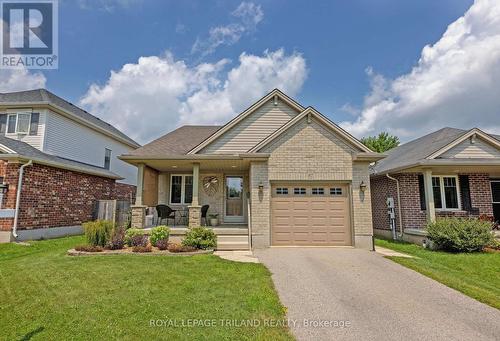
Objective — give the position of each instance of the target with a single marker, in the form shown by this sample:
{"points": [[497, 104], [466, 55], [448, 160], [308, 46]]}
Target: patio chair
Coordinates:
{"points": [[164, 212], [204, 210]]}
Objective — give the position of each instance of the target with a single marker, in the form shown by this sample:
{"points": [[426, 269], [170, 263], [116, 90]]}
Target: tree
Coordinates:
{"points": [[381, 143]]}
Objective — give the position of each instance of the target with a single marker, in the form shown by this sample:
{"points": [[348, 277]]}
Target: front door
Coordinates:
{"points": [[234, 200], [495, 194]]}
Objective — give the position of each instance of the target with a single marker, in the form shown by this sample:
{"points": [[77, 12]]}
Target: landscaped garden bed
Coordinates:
{"points": [[103, 238]]}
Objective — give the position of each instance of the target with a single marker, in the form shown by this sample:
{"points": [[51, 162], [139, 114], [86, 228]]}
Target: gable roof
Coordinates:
{"points": [[19, 150], [328, 123], [42, 96], [426, 148], [246, 113], [177, 142]]}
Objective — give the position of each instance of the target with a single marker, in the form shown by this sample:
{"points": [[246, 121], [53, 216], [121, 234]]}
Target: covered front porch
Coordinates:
{"points": [[200, 190]]}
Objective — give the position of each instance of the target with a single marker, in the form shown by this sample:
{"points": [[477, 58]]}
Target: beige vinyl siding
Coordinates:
{"points": [[33, 140], [478, 150], [253, 129]]}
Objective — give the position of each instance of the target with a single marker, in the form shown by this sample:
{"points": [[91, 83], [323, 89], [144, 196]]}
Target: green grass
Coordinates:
{"points": [[47, 295], [475, 274]]}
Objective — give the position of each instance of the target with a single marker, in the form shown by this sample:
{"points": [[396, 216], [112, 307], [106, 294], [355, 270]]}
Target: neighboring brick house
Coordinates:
{"points": [[448, 173], [277, 174], [68, 159]]}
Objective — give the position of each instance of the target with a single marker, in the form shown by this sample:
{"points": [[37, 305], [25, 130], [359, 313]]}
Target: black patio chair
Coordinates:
{"points": [[164, 212], [204, 210]]}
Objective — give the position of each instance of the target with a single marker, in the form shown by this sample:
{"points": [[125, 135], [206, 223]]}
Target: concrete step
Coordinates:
{"points": [[232, 246]]}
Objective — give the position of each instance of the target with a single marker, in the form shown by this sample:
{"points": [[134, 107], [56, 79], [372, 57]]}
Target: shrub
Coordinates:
{"points": [[88, 248], [200, 238], [98, 232], [117, 239], [180, 248], [142, 249], [162, 244], [159, 233], [131, 233], [139, 240], [460, 235]]}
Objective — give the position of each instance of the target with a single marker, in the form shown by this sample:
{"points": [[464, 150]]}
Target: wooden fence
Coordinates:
{"points": [[117, 211]]}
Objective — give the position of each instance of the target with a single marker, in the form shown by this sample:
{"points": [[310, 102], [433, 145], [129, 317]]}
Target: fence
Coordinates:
{"points": [[116, 211]]}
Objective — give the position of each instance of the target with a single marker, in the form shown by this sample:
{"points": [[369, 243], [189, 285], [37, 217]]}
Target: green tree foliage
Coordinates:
{"points": [[381, 143]]}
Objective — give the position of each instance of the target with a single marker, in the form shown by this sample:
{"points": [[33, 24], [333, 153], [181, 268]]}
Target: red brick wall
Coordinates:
{"points": [[53, 197], [412, 215], [125, 192]]}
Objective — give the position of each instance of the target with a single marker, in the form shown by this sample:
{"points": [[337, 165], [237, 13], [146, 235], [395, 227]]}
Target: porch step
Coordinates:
{"points": [[232, 242]]}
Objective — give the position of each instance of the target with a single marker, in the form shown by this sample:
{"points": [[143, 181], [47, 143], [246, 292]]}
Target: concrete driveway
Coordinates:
{"points": [[372, 297]]}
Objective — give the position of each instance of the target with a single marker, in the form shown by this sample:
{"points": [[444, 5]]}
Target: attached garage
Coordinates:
{"points": [[310, 214]]}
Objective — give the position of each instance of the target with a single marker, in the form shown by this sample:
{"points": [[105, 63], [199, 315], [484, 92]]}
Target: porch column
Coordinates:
{"points": [[195, 209], [429, 197], [139, 210], [140, 184], [196, 177]]}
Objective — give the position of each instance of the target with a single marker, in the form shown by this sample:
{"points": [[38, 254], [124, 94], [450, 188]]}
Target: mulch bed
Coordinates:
{"points": [[128, 251]]}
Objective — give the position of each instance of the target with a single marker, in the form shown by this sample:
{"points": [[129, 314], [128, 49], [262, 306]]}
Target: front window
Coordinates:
{"points": [[181, 189], [19, 123], [445, 189]]}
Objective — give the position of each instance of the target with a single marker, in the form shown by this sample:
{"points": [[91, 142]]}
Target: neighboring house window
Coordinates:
{"points": [[445, 191], [335, 191], [181, 189], [299, 191], [281, 191], [318, 191], [20, 123], [107, 158]]}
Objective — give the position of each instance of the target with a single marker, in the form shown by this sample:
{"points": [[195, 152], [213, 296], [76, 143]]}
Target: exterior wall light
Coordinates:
{"points": [[261, 188], [362, 186]]}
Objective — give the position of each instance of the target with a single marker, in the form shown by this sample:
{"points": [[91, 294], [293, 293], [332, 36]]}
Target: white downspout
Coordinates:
{"points": [[399, 206], [18, 196]]}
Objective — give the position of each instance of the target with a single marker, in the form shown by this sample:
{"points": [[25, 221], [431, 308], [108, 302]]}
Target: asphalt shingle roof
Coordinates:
{"points": [[177, 142], [42, 95], [417, 150], [26, 150]]}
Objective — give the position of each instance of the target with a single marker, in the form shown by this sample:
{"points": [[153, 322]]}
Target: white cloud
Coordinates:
{"points": [[247, 16], [159, 93], [455, 83], [20, 79]]}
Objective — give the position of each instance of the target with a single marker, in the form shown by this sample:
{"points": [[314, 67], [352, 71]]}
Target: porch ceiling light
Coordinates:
{"points": [[362, 186], [174, 166], [233, 166]]}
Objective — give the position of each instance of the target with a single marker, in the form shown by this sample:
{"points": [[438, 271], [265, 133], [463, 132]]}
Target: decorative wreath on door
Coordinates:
{"points": [[210, 185]]}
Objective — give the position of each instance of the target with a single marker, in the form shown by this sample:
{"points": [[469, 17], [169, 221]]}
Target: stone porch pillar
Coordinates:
{"points": [[195, 208], [139, 210], [429, 197]]}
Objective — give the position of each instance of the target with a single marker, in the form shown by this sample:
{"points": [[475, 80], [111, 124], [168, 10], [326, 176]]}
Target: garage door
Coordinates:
{"points": [[310, 215]]}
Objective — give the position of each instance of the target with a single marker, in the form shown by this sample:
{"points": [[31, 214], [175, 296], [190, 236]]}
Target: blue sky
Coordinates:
{"points": [[336, 43]]}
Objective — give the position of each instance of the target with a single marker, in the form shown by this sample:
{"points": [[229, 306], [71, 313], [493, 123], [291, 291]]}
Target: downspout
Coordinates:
{"points": [[18, 196], [399, 206]]}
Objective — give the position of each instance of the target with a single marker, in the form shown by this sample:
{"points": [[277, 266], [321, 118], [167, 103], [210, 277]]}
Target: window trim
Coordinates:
{"points": [[443, 197], [183, 189], [16, 131]]}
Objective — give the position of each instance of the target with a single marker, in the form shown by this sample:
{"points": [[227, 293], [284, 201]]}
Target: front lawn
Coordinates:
{"points": [[474, 274], [47, 295]]}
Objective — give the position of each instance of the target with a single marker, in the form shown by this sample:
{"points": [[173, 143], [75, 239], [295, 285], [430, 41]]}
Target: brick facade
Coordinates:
{"points": [[307, 152], [412, 215], [53, 197]]}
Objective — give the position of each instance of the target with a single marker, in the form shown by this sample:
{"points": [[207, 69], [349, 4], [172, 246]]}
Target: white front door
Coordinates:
{"points": [[233, 212]]}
